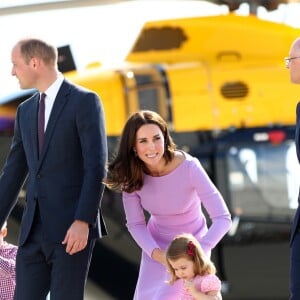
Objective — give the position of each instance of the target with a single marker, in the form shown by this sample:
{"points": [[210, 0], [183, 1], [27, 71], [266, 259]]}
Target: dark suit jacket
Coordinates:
{"points": [[66, 180], [297, 142]]}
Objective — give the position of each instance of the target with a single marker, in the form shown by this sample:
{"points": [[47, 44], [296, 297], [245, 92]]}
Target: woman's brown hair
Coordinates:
{"points": [[126, 170]]}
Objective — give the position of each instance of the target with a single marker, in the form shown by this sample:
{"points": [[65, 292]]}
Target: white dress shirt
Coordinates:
{"points": [[51, 94]]}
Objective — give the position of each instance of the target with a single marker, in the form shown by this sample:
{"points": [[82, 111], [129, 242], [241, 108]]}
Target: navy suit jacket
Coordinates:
{"points": [[67, 178], [297, 142]]}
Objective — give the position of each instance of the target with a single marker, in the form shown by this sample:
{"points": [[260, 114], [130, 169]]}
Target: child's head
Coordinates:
{"points": [[185, 258], [3, 232]]}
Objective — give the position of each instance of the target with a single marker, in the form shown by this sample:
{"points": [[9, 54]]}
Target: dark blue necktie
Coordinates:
{"points": [[41, 121]]}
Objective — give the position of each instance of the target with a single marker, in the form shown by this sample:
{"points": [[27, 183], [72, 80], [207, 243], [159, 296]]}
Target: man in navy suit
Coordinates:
{"points": [[293, 64], [62, 216]]}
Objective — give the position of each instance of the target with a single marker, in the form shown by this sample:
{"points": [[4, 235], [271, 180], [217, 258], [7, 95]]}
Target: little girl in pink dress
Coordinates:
{"points": [[188, 265]]}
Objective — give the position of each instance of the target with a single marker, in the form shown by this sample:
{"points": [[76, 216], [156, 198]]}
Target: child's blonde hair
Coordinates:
{"points": [[186, 246]]}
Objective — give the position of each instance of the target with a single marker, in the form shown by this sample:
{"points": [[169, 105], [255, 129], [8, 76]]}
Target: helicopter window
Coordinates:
{"points": [[148, 93], [145, 89], [163, 38], [263, 179]]}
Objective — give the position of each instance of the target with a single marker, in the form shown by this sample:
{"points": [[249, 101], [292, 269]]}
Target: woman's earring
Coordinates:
{"points": [[134, 151]]}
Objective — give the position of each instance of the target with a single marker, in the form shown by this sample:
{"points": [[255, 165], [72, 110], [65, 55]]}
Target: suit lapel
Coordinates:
{"points": [[297, 137], [59, 103]]}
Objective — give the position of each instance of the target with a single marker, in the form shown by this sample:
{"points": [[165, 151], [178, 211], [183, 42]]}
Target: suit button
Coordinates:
{"points": [[39, 176]]}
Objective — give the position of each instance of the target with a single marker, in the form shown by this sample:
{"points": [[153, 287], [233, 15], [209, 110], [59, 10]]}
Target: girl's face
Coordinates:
{"points": [[184, 268], [149, 145]]}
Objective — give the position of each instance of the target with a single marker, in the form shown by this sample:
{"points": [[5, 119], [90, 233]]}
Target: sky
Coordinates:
{"points": [[105, 33]]}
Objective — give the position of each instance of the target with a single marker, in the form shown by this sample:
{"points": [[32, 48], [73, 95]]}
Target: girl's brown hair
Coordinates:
{"points": [[186, 246], [126, 170]]}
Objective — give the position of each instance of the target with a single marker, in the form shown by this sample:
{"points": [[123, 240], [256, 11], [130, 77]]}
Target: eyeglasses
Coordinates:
{"points": [[288, 59]]}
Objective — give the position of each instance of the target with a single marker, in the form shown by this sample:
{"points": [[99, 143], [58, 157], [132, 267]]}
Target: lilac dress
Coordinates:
{"points": [[174, 204]]}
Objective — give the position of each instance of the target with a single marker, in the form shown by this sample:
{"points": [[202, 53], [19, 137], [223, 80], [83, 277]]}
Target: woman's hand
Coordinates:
{"points": [[159, 256]]}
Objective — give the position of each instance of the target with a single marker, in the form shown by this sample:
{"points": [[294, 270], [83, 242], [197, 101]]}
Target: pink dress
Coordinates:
{"points": [[174, 204], [203, 284], [8, 253]]}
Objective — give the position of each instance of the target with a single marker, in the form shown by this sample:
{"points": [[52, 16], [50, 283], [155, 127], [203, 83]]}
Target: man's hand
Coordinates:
{"points": [[76, 237]]}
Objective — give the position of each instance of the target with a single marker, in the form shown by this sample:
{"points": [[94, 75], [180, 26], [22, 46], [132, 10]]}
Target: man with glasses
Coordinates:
{"points": [[288, 59], [293, 64]]}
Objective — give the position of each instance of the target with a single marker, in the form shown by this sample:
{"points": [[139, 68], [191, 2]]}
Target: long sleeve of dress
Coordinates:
{"points": [[136, 222], [214, 204]]}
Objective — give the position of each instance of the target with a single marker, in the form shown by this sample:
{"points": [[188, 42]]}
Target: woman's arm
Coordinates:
{"points": [[136, 224], [214, 204]]}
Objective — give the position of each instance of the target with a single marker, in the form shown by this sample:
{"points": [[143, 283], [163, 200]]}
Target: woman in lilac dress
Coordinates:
{"points": [[171, 186]]}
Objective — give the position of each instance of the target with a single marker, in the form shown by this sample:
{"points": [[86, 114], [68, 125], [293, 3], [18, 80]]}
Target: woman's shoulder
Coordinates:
{"points": [[189, 159], [181, 159], [185, 155]]}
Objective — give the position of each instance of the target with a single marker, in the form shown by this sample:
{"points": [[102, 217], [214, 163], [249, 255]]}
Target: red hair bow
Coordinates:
{"points": [[191, 249]]}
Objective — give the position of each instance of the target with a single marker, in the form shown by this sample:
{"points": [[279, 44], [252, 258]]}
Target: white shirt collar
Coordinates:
{"points": [[52, 90], [51, 94]]}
